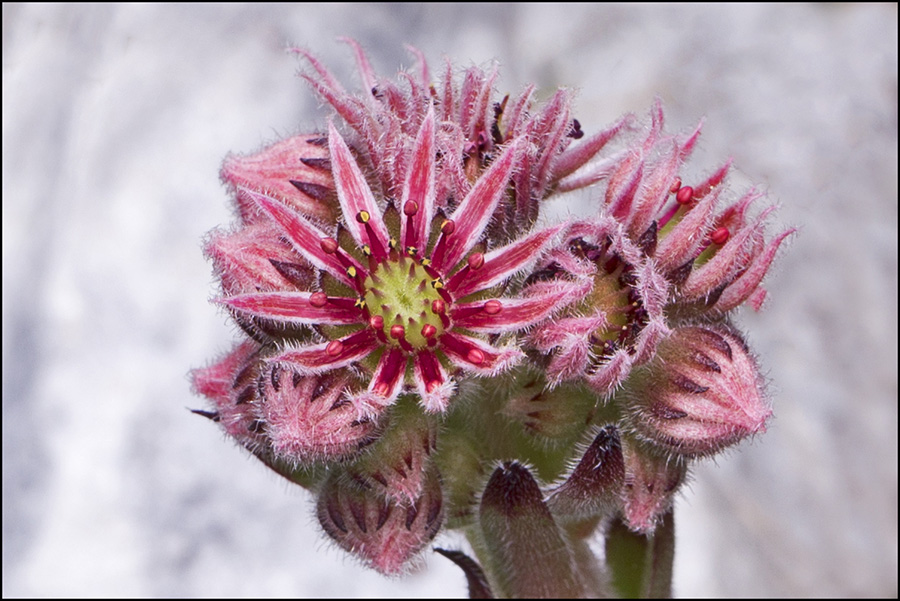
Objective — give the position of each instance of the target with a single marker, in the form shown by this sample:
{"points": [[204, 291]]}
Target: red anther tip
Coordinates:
{"points": [[675, 185], [720, 236], [318, 299], [397, 331], [410, 208], [438, 306], [476, 260], [334, 348], [475, 356], [329, 245], [448, 227], [428, 330], [492, 307], [684, 195], [362, 217], [377, 322]]}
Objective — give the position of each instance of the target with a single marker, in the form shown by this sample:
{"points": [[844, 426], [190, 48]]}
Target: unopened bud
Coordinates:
{"points": [[383, 533], [700, 394]]}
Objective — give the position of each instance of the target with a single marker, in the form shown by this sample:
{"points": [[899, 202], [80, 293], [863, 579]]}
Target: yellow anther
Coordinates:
{"points": [[393, 243], [411, 251], [426, 262], [367, 250], [351, 271], [360, 303], [362, 217], [438, 283]]}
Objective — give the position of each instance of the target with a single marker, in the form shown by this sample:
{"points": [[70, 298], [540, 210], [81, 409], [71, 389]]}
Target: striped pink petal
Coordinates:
{"points": [[296, 307], [330, 355]]}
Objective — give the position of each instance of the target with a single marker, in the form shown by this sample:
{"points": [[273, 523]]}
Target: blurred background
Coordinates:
{"points": [[115, 120]]}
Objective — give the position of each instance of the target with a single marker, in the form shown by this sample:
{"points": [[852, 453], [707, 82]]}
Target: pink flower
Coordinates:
{"points": [[408, 288]]}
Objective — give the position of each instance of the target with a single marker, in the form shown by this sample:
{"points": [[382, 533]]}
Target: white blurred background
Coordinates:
{"points": [[115, 120]]}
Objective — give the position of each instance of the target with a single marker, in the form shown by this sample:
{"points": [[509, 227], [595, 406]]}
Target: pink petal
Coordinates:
{"points": [[611, 373], [724, 263], [557, 110], [434, 388], [419, 186], [317, 358], [362, 63], [677, 246], [502, 263], [474, 212], [742, 288], [354, 193], [474, 355], [304, 237], [511, 314], [574, 158], [386, 384], [296, 308]]}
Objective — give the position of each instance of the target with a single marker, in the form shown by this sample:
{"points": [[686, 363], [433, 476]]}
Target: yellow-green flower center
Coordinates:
{"points": [[403, 294]]}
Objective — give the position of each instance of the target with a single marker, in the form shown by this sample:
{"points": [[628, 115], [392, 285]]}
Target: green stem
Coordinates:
{"points": [[641, 565]]}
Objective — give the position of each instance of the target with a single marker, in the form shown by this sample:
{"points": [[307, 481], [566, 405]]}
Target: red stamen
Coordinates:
{"points": [[329, 245], [438, 306], [492, 307], [318, 299], [475, 356], [720, 236], [476, 260], [684, 195], [376, 322], [675, 185], [410, 208], [428, 330], [334, 348], [397, 331]]}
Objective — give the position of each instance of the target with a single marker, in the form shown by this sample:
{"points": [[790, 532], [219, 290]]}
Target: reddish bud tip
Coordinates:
{"points": [[492, 307], [448, 227], [363, 217], [318, 299], [438, 306], [329, 245], [675, 185], [377, 322], [720, 236], [334, 348], [684, 195], [397, 331], [475, 356], [428, 331], [476, 260], [410, 208]]}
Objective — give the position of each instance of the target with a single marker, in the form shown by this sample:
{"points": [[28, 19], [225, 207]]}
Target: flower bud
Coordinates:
{"points": [[651, 482], [308, 418], [700, 394], [385, 534], [396, 465], [594, 486], [524, 542]]}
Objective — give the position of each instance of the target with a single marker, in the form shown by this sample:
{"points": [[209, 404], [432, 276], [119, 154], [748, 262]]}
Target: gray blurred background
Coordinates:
{"points": [[115, 120]]}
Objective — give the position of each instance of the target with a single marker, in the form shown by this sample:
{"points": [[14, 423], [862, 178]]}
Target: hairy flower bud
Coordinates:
{"points": [[594, 485], [385, 534], [651, 482], [308, 418], [530, 554], [701, 394]]}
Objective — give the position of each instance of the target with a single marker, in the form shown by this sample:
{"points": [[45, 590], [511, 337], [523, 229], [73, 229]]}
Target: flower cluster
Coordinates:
{"points": [[421, 354]]}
